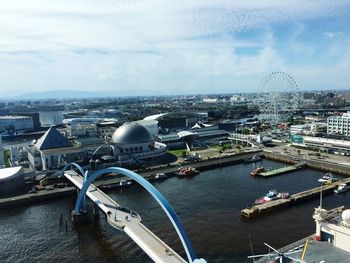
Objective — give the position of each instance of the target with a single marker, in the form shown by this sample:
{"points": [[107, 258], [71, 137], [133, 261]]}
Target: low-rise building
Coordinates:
{"points": [[11, 181], [105, 130], [151, 125], [15, 124], [237, 99], [50, 114], [82, 130], [308, 129], [53, 150], [203, 136], [323, 144]]}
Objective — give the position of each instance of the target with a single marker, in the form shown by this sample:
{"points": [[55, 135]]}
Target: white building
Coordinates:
{"points": [[237, 99], [210, 100], [151, 125], [105, 130], [15, 124], [133, 142], [82, 130], [308, 129], [300, 129], [333, 226], [339, 124], [52, 151], [11, 181], [48, 118], [325, 144]]}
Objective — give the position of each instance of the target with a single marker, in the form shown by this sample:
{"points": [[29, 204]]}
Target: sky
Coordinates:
{"points": [[172, 46]]}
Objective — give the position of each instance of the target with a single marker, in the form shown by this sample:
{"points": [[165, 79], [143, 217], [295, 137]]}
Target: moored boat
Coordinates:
{"points": [[158, 177], [271, 195], [328, 178], [187, 171], [257, 171], [253, 159], [283, 195], [123, 183], [342, 188]]}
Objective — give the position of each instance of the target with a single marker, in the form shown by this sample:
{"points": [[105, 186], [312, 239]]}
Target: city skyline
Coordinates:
{"points": [[172, 47]]}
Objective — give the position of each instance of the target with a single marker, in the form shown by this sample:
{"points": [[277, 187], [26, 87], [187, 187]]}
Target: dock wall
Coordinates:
{"points": [[321, 165], [313, 193], [42, 195]]}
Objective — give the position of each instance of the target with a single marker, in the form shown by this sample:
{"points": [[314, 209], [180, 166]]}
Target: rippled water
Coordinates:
{"points": [[209, 206]]}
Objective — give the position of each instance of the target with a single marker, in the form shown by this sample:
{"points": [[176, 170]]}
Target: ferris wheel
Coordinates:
{"points": [[278, 97]]}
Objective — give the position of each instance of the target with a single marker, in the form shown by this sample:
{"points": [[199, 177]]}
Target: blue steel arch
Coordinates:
{"points": [[191, 255], [82, 172], [65, 168], [100, 147]]}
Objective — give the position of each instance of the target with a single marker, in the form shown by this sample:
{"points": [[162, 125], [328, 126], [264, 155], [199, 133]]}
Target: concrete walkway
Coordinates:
{"points": [[129, 222]]}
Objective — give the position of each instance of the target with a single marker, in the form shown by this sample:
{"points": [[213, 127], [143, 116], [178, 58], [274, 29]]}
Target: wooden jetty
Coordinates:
{"points": [[257, 210]]}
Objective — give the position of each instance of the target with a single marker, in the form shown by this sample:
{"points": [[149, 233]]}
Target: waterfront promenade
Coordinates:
{"points": [[335, 164], [170, 170]]}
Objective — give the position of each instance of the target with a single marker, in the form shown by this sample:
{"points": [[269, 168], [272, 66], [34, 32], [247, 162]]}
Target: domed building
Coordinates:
{"points": [[132, 141]]}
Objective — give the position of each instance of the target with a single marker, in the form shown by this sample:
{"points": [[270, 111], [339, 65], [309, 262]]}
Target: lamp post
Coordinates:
{"points": [[321, 195]]}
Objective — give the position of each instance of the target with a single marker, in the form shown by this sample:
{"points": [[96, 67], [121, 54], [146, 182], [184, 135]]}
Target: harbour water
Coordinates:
{"points": [[209, 206]]}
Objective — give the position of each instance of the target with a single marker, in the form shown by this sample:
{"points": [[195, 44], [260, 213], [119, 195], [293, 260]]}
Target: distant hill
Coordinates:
{"points": [[69, 94]]}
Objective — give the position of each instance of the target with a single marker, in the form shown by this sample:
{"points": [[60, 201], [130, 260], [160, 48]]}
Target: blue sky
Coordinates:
{"points": [[172, 46]]}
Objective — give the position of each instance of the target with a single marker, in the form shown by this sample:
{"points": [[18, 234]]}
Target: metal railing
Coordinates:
{"points": [[287, 248]]}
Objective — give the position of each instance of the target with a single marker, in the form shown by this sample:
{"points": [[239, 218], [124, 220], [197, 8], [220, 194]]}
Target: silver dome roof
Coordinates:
{"points": [[132, 133]]}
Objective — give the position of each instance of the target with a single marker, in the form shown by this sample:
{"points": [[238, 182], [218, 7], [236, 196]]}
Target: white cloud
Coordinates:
{"points": [[35, 24], [332, 34], [179, 45]]}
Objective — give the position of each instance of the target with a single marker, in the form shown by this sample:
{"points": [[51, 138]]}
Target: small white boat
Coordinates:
{"points": [[328, 178], [271, 195], [253, 159], [122, 184], [158, 177], [342, 188]]}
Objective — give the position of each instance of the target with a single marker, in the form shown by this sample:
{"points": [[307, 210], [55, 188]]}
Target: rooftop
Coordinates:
{"points": [[52, 139], [9, 172], [14, 117], [131, 133], [324, 252]]}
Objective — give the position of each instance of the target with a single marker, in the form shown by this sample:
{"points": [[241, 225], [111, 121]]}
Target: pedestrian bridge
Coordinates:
{"points": [[248, 139], [129, 221]]}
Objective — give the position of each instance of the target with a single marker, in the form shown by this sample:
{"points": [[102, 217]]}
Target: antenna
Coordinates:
{"points": [[251, 246]]}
